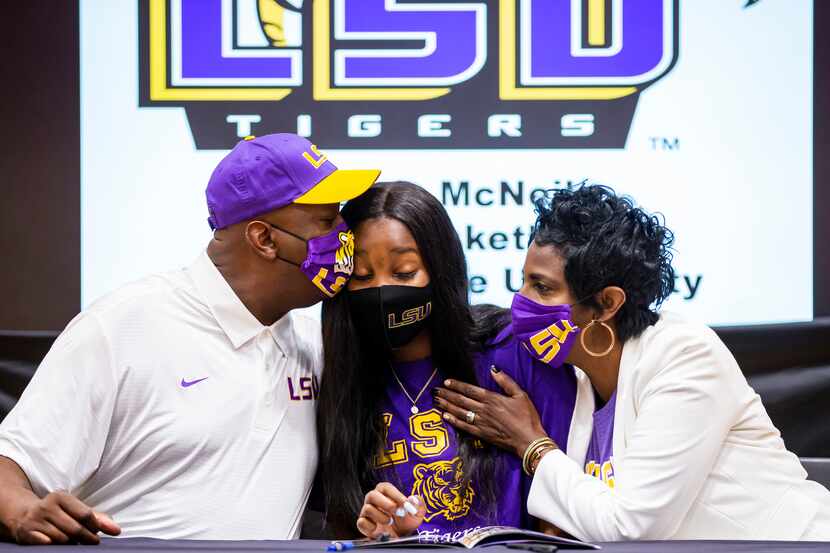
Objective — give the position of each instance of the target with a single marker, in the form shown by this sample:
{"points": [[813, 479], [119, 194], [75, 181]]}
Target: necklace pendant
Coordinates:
{"points": [[414, 409]]}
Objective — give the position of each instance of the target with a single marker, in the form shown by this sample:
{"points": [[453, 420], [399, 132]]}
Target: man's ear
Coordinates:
{"points": [[610, 299], [259, 238]]}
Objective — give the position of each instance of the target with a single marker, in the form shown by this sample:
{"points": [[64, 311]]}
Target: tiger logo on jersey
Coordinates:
{"points": [[441, 484], [344, 256]]}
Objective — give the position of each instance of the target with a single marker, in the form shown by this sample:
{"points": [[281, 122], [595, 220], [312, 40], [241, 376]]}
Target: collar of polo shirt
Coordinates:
{"points": [[239, 324]]}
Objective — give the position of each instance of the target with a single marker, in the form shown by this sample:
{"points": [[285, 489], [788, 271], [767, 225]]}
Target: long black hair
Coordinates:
{"points": [[349, 426]]}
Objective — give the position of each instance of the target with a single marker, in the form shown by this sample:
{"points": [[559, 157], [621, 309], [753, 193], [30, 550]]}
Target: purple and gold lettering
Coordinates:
{"points": [[547, 342], [396, 452], [568, 42], [203, 52], [319, 280], [453, 36]]}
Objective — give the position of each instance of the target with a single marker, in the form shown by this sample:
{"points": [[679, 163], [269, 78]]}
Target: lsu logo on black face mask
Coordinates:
{"points": [[395, 74], [410, 316]]}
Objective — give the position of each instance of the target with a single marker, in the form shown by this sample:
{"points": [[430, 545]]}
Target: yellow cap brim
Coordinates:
{"points": [[340, 186]]}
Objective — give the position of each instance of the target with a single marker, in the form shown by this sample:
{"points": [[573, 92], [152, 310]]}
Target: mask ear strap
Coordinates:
{"points": [[281, 258], [288, 232], [578, 302]]}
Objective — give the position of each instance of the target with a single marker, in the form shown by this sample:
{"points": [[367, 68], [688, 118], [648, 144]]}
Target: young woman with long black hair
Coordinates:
{"points": [[389, 462]]}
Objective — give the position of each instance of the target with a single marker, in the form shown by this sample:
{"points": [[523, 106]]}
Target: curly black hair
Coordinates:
{"points": [[607, 241]]}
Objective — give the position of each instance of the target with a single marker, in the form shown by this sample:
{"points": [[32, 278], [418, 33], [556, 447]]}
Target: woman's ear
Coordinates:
{"points": [[258, 236], [611, 298]]}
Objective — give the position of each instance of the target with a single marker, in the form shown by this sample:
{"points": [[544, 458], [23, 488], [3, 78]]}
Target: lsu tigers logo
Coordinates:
{"points": [[441, 484], [344, 256], [544, 73], [411, 316]]}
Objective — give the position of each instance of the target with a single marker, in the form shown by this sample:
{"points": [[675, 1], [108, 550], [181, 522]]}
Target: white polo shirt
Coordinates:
{"points": [[169, 406]]}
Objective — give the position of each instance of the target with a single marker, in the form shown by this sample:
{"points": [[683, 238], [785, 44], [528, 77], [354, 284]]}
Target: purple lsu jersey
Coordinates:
{"points": [[599, 458], [421, 455]]}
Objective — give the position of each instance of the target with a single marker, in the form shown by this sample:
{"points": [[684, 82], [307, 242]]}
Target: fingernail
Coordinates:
{"points": [[410, 508], [446, 416], [400, 513], [495, 369], [448, 382], [414, 500], [391, 521]]}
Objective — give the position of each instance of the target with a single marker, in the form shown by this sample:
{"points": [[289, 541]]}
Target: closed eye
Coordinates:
{"points": [[541, 288], [362, 277], [405, 276]]}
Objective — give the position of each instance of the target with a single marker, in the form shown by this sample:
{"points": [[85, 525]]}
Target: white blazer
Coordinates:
{"points": [[695, 454]]}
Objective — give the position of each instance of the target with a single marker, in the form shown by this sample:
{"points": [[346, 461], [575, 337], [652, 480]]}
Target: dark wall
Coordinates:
{"points": [[40, 211], [40, 140]]}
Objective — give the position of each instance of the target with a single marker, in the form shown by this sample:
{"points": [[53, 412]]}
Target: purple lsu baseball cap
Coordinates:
{"points": [[268, 172]]}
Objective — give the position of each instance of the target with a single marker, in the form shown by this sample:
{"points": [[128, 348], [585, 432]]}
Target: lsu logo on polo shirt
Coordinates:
{"points": [[406, 74], [303, 388]]}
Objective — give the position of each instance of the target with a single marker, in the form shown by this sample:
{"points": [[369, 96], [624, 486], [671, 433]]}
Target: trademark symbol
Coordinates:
{"points": [[664, 144]]}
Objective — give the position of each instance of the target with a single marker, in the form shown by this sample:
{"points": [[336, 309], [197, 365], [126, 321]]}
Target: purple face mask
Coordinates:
{"points": [[546, 331], [330, 259]]}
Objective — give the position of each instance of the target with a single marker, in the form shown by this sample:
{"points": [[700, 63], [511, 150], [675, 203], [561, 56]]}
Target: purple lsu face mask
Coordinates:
{"points": [[330, 259], [546, 331]]}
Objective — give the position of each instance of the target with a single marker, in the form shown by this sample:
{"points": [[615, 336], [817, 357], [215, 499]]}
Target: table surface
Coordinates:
{"points": [[127, 545]]}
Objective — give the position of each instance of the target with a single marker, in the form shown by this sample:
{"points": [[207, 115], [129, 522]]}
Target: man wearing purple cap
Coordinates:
{"points": [[183, 404]]}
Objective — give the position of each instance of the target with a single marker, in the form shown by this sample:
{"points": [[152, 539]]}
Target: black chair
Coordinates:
{"points": [[20, 354], [818, 469]]}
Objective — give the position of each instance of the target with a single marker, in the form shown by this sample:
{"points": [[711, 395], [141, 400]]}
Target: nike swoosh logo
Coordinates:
{"points": [[186, 384]]}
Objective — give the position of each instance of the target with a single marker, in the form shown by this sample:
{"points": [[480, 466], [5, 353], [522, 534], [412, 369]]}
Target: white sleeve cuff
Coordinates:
{"points": [[17, 454]]}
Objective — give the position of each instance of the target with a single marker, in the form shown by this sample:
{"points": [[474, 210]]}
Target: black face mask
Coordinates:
{"points": [[390, 317]]}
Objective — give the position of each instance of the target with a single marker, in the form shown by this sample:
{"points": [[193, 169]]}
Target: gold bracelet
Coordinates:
{"points": [[527, 452], [531, 446], [528, 459], [534, 457], [532, 450], [537, 458]]}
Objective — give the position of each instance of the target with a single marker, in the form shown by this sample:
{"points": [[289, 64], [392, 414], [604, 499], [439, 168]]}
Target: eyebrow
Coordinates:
{"points": [[400, 251], [537, 276]]}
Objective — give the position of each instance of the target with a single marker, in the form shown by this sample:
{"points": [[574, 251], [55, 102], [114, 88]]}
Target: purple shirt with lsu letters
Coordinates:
{"points": [[422, 458], [599, 459]]}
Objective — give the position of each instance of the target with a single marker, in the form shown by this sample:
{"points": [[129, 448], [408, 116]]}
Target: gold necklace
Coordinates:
{"points": [[414, 409]]}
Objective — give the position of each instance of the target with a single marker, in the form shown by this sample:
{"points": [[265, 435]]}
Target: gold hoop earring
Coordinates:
{"points": [[585, 331]]}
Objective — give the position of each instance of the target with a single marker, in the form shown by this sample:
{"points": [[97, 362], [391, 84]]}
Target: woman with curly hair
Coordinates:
{"points": [[680, 447]]}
